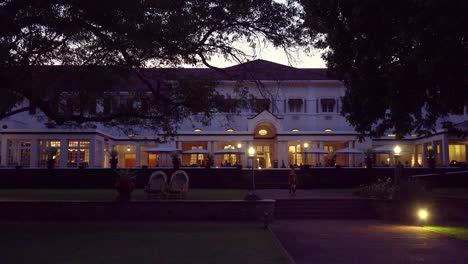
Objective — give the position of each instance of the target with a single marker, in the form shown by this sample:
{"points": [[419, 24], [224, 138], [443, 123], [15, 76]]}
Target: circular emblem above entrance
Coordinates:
{"points": [[263, 132]]}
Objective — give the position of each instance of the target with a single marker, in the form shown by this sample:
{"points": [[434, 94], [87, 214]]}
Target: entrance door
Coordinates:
{"points": [[263, 156], [130, 160]]}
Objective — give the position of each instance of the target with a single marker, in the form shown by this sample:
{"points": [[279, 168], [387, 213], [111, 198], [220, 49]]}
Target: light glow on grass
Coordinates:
{"points": [[459, 232]]}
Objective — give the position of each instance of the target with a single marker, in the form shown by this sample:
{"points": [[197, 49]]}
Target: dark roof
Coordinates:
{"points": [[252, 70]]}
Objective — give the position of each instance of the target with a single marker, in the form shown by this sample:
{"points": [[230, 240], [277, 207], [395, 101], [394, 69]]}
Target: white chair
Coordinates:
{"points": [[179, 185], [157, 185]]}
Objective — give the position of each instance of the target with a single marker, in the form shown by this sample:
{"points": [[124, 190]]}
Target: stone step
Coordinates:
{"points": [[323, 209]]}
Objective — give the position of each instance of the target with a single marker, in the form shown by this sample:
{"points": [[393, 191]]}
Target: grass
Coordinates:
{"points": [[454, 231], [110, 194], [138, 242]]}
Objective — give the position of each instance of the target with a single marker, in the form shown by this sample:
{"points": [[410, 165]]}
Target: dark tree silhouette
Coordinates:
{"points": [[102, 46], [404, 62]]}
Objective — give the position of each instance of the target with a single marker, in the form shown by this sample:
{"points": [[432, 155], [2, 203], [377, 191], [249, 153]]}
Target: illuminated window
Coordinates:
{"points": [[196, 159], [457, 152], [78, 153], [295, 155], [43, 155], [18, 153], [230, 158]]}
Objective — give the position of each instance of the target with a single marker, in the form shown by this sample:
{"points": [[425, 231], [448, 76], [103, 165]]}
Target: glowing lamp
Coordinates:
{"points": [[397, 150], [422, 214], [251, 152]]}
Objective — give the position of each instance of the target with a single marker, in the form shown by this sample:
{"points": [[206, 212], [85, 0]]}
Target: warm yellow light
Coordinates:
{"points": [[230, 130], [397, 150], [328, 130], [197, 130], [128, 148], [391, 135], [262, 132], [251, 151], [422, 213], [239, 145], [295, 130], [306, 145]]}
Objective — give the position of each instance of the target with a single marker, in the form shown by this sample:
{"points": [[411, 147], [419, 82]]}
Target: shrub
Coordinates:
{"points": [[382, 189], [409, 192]]}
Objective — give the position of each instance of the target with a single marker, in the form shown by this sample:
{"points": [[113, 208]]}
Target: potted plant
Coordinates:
{"points": [[209, 160], [175, 160], [368, 159], [332, 159], [431, 158], [51, 155], [125, 184], [114, 158]]}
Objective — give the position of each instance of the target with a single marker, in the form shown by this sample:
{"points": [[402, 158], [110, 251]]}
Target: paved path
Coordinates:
{"points": [[342, 241], [307, 194]]}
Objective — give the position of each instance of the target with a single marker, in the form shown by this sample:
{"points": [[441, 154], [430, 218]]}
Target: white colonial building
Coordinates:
{"points": [[296, 117]]}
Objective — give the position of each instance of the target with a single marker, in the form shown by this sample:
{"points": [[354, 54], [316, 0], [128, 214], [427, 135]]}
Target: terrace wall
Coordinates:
{"points": [[222, 177]]}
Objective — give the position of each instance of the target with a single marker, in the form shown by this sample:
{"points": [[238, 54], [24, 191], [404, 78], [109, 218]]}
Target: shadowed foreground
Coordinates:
{"points": [[338, 241], [137, 242]]}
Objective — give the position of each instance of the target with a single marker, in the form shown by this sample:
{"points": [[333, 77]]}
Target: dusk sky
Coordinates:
{"points": [[299, 58]]}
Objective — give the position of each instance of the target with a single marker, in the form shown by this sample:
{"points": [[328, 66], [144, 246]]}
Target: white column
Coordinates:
{"points": [[63, 153], [434, 148], [215, 148], [321, 157], [280, 153], [350, 156], [208, 146], [424, 155], [415, 155], [92, 153], [4, 151], [286, 151], [138, 155], [34, 162], [244, 157], [445, 151]]}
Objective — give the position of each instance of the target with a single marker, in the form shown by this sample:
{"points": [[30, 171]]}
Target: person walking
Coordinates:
{"points": [[292, 181]]}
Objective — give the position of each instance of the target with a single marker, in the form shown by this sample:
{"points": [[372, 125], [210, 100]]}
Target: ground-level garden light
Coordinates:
{"points": [[423, 215]]}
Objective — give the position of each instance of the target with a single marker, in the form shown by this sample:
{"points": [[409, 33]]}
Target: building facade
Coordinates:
{"points": [[295, 117]]}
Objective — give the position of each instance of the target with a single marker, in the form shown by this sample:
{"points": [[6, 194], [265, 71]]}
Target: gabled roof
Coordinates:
{"points": [[253, 70], [267, 70]]}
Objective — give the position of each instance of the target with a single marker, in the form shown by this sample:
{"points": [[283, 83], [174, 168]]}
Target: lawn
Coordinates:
{"points": [[454, 231], [138, 242], [110, 194]]}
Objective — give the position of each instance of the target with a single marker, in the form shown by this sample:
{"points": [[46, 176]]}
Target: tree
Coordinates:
{"points": [[403, 62], [109, 44]]}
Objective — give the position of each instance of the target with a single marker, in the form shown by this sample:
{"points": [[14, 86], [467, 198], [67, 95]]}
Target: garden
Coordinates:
{"points": [[138, 242]]}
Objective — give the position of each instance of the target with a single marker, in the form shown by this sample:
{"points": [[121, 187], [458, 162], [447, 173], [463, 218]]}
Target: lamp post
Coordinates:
{"points": [[251, 196], [398, 167]]}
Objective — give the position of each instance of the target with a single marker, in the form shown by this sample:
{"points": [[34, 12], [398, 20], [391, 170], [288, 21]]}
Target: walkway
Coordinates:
{"points": [[307, 194], [366, 241]]}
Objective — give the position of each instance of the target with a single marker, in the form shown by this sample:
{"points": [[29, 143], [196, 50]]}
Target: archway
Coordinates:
{"points": [[266, 145]]}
